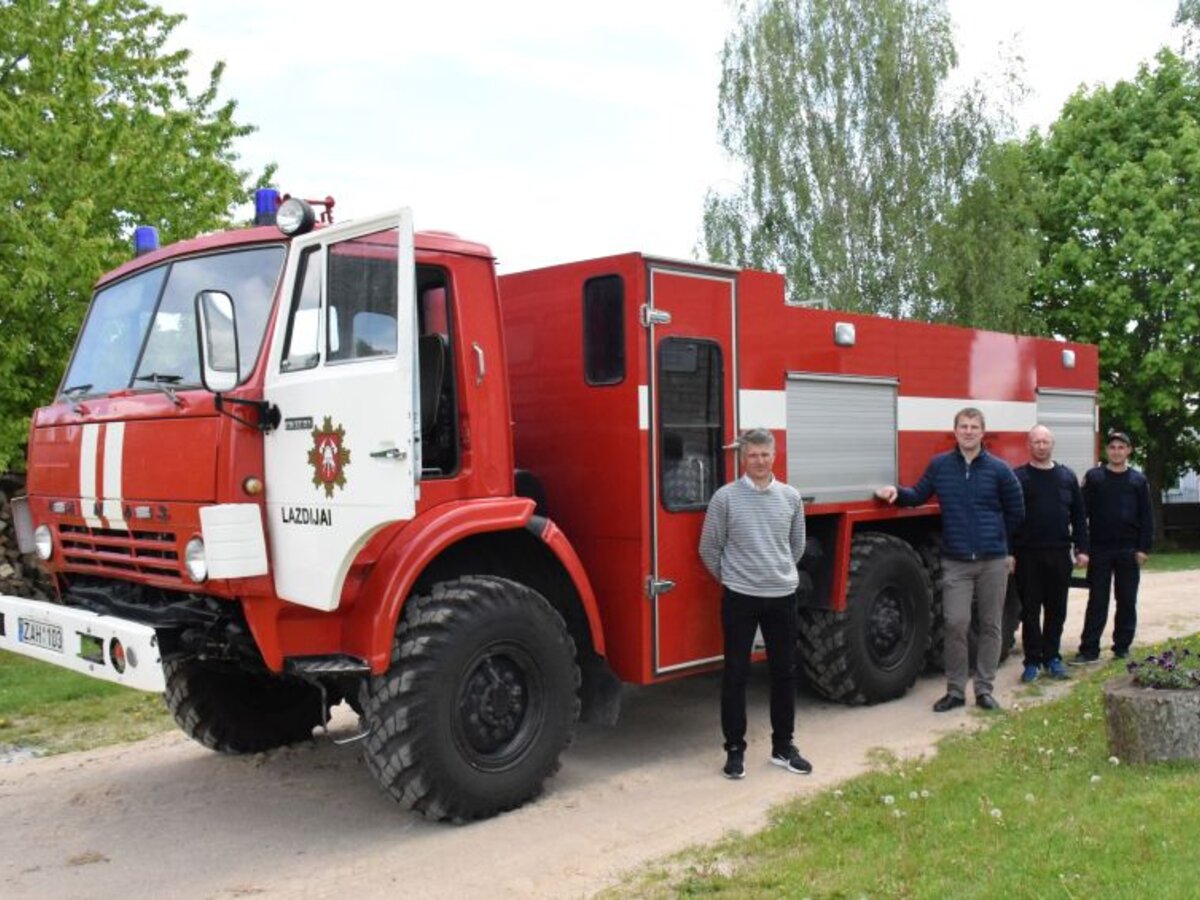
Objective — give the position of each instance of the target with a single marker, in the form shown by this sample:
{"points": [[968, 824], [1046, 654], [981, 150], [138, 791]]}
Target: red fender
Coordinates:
{"points": [[372, 623]]}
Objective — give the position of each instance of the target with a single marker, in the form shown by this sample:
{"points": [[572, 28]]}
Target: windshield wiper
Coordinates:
{"points": [[75, 391], [165, 383], [73, 394]]}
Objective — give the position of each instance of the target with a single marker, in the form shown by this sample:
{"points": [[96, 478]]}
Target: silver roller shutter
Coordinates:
{"points": [[1071, 415], [841, 435]]}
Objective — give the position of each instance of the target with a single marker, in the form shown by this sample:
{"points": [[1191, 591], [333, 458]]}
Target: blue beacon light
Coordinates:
{"points": [[145, 240], [266, 201]]}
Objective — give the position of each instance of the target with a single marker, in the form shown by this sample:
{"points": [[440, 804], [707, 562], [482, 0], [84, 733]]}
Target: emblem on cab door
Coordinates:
{"points": [[329, 456]]}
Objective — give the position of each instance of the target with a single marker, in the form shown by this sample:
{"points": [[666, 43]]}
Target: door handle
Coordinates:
{"points": [[389, 453], [480, 363]]}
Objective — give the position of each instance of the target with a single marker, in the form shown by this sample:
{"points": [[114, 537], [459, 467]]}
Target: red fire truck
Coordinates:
{"points": [[300, 463]]}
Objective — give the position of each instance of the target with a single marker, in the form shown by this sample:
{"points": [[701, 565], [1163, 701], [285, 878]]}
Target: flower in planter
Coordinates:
{"points": [[1173, 669]]}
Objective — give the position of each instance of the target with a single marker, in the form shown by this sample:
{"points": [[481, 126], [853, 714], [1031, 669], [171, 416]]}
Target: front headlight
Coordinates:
{"points": [[295, 216], [194, 561], [43, 542]]}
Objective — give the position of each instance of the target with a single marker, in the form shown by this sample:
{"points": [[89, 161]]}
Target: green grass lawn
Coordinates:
{"points": [[51, 710], [1175, 561], [1030, 807]]}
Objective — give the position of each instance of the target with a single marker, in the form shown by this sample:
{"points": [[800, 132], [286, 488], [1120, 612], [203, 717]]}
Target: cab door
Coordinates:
{"points": [[689, 320], [341, 464]]}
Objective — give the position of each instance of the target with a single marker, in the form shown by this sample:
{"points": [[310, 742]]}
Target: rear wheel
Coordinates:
{"points": [[480, 699], [874, 649], [234, 711]]}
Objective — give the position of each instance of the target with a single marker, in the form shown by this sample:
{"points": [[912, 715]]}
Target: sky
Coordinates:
{"points": [[556, 131]]}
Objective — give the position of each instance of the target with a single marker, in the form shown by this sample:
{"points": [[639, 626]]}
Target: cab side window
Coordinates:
{"points": [[691, 422], [436, 375]]}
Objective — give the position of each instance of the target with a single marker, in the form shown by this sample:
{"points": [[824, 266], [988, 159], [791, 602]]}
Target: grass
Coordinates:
{"points": [[1175, 561], [47, 709], [1032, 806]]}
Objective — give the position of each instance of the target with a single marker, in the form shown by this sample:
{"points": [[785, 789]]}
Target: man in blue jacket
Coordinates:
{"points": [[982, 507]]}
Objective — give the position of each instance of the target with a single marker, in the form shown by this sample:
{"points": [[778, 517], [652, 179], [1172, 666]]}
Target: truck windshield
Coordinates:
{"points": [[141, 331]]}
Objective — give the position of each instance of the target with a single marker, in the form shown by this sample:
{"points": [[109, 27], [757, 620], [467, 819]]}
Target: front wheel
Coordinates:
{"points": [[231, 710], [874, 649], [480, 699]]}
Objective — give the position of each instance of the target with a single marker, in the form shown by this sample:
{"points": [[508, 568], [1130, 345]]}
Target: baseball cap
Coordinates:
{"points": [[1119, 436]]}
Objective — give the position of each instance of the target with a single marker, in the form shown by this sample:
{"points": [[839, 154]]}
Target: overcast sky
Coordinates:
{"points": [[552, 130]]}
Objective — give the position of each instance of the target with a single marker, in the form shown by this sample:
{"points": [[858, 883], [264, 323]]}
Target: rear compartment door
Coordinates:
{"points": [[341, 464], [689, 320]]}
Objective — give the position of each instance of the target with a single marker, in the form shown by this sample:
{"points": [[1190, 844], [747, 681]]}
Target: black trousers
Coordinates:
{"points": [[741, 616], [1043, 580], [1107, 565]]}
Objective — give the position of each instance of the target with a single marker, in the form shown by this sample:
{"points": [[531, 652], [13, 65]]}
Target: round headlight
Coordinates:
{"points": [[193, 559], [43, 541], [295, 216]]}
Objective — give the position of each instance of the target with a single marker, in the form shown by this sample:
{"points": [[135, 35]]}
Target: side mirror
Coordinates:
{"points": [[216, 333]]}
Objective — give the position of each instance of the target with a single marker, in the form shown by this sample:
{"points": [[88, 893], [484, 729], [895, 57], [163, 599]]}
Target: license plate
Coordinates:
{"points": [[40, 634]]}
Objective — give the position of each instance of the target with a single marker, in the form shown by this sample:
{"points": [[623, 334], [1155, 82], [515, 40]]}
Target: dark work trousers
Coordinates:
{"points": [[1043, 580], [1106, 565], [741, 616]]}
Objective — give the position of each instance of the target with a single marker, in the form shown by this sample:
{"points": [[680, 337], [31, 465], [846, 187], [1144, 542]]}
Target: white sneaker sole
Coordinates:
{"points": [[783, 763], [738, 776]]}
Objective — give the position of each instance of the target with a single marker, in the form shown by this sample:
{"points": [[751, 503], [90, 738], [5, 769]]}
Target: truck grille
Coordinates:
{"points": [[119, 552]]}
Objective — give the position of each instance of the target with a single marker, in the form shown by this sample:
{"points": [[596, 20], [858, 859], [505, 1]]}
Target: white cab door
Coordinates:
{"points": [[341, 464]]}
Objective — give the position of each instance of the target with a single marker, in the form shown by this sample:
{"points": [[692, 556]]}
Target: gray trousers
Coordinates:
{"points": [[982, 583]]}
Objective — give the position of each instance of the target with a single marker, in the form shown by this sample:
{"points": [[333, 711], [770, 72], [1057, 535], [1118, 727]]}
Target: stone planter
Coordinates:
{"points": [[1149, 725]]}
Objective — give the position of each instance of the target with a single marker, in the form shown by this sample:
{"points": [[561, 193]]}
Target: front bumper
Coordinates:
{"points": [[104, 647]]}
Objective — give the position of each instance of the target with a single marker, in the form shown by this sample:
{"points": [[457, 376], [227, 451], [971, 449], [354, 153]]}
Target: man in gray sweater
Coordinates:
{"points": [[752, 539]]}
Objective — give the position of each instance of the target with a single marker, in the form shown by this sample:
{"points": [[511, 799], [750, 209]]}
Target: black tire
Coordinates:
{"points": [[230, 710], [874, 650], [935, 656], [480, 699]]}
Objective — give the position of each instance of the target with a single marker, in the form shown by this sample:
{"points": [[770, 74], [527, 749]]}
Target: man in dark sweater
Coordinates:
{"points": [[1054, 519], [981, 508], [1121, 525]]}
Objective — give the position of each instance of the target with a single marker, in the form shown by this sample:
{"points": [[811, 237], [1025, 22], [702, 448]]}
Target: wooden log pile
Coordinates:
{"points": [[20, 575]]}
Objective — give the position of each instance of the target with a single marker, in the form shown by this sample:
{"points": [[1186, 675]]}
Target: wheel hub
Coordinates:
{"points": [[494, 704], [888, 627]]}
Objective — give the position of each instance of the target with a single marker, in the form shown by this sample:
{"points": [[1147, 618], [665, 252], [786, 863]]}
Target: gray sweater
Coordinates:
{"points": [[753, 539]]}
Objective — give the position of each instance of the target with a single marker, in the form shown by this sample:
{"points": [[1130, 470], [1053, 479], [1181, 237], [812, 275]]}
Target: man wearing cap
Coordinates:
{"points": [[1117, 497]]}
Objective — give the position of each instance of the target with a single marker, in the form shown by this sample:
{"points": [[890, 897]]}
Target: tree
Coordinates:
{"points": [[985, 247], [98, 132], [836, 110], [1121, 240]]}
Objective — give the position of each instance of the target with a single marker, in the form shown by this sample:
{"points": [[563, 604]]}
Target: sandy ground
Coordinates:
{"points": [[164, 817]]}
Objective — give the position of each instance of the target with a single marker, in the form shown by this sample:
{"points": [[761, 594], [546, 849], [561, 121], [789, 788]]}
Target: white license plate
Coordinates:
{"points": [[40, 634]]}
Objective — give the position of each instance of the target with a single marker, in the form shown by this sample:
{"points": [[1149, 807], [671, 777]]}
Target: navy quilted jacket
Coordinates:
{"points": [[982, 504]]}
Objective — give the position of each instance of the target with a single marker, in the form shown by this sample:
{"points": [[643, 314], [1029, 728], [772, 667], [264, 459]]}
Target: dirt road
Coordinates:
{"points": [[165, 817]]}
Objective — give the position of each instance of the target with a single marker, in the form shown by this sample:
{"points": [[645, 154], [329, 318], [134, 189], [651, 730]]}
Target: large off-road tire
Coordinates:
{"points": [[480, 699], [234, 711], [874, 650]]}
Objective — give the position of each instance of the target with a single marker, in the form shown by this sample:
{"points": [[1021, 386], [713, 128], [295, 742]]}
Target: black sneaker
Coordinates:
{"points": [[1083, 659], [1120, 654], [735, 764], [789, 758]]}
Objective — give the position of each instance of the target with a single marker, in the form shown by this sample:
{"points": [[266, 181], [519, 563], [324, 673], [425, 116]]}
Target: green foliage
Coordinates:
{"points": [[1120, 223], [985, 249], [1033, 806], [1171, 669], [836, 110], [98, 132]]}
